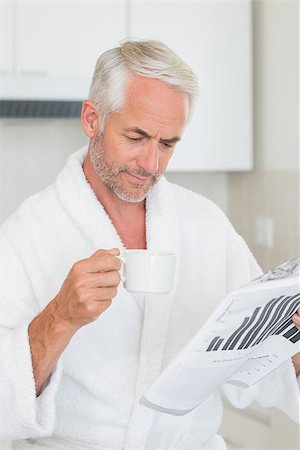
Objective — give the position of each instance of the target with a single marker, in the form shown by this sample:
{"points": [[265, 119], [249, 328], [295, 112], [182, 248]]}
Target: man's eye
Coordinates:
{"points": [[135, 138], [167, 145]]}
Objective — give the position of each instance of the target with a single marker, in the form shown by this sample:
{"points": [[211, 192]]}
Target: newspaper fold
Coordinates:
{"points": [[250, 334]]}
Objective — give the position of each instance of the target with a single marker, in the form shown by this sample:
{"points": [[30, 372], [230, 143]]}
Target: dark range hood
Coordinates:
{"points": [[17, 109]]}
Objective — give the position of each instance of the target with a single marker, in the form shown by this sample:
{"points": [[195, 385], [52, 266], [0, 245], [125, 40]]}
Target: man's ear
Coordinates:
{"points": [[89, 118]]}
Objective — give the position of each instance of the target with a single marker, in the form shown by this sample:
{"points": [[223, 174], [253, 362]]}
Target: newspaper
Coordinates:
{"points": [[250, 334]]}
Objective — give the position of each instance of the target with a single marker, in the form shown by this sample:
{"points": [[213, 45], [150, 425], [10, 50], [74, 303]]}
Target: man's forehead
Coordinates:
{"points": [[150, 124], [152, 96]]}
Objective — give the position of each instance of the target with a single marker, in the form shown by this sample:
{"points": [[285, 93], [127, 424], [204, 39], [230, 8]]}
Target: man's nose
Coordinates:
{"points": [[149, 157]]}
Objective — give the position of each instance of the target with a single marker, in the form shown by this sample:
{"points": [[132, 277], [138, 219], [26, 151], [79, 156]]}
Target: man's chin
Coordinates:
{"points": [[130, 192], [133, 194], [131, 197]]}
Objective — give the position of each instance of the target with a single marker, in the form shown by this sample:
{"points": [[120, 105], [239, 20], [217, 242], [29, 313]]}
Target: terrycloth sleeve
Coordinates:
{"points": [[280, 388], [22, 415]]}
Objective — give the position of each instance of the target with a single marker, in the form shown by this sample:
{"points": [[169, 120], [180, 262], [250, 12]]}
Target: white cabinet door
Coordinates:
{"points": [[6, 38], [62, 39], [214, 37]]}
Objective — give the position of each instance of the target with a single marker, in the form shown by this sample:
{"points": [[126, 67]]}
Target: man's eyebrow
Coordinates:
{"points": [[139, 131], [172, 140], [144, 133]]}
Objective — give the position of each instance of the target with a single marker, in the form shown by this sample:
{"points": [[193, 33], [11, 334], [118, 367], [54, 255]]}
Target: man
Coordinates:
{"points": [[77, 350]]}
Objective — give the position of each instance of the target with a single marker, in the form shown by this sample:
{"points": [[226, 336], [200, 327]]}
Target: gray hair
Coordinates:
{"points": [[146, 58]]}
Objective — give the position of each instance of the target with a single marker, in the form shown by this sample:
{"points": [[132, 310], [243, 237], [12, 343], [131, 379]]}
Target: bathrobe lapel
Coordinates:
{"points": [[162, 234], [81, 204]]}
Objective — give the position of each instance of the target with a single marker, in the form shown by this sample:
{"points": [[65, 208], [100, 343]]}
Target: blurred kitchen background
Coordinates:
{"points": [[242, 150]]}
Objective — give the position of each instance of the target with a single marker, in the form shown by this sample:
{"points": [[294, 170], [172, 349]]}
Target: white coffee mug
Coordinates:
{"points": [[147, 271]]}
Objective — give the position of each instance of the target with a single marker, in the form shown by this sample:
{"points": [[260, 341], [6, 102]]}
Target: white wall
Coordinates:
{"points": [[5, 445], [271, 191], [31, 154]]}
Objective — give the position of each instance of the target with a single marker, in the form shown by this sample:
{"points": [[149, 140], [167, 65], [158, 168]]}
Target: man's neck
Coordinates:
{"points": [[127, 217]]}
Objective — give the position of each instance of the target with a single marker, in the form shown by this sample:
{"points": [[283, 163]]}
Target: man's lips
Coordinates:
{"points": [[136, 179]]}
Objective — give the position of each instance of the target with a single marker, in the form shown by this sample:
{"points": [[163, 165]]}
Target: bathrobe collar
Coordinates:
{"points": [[80, 202]]}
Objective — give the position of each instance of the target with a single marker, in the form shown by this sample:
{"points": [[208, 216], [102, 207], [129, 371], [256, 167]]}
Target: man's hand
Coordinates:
{"points": [[86, 293], [88, 289], [296, 358]]}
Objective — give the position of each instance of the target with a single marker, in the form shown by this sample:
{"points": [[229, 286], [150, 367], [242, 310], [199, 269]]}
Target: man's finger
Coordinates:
{"points": [[100, 279], [113, 251], [103, 263], [99, 262]]}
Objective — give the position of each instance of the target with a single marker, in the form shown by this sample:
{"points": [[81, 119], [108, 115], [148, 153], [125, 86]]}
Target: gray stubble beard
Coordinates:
{"points": [[109, 174]]}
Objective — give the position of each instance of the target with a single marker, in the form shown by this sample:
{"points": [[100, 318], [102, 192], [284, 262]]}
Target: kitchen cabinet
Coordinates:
{"points": [[63, 39], [215, 39], [6, 38], [55, 44]]}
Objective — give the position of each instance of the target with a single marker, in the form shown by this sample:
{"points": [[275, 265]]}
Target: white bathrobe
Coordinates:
{"points": [[91, 400]]}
